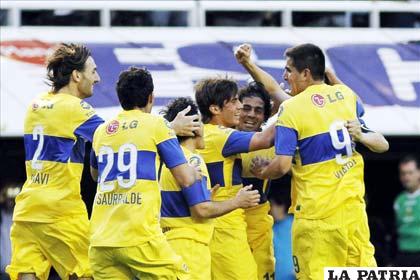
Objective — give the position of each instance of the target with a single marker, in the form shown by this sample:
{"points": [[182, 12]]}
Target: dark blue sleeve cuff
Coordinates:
{"points": [[87, 129], [237, 143], [285, 141], [196, 193], [171, 153]]}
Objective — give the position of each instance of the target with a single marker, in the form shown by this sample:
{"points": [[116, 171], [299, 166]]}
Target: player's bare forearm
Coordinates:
{"points": [[271, 85], [273, 171], [263, 139], [374, 141], [184, 174], [213, 209], [245, 198], [277, 168]]}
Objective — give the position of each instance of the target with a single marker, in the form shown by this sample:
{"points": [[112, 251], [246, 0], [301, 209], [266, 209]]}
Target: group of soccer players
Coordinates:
{"points": [[184, 196]]}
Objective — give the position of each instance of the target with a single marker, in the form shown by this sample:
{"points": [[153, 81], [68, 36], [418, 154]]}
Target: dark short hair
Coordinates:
{"points": [[176, 106], [308, 56], [63, 61], [134, 87], [409, 158], [214, 91], [256, 89]]}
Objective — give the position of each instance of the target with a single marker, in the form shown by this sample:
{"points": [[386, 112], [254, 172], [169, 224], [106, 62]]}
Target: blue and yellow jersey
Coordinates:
{"points": [[327, 170], [176, 220], [221, 154], [127, 151], [55, 130]]}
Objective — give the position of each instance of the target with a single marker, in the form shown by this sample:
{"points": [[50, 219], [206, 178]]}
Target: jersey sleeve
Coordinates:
{"points": [[196, 193], [360, 111], [86, 120], [286, 136], [235, 142], [167, 144]]}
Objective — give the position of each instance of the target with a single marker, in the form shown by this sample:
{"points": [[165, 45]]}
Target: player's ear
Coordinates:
{"points": [[307, 73], [151, 98], [214, 109], [76, 76]]}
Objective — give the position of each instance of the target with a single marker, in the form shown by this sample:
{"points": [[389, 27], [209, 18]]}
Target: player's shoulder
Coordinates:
{"points": [[344, 89], [154, 120], [217, 131]]}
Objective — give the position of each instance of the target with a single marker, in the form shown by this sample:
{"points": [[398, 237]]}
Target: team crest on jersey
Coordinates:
{"points": [[85, 105], [318, 100], [195, 161], [112, 127]]}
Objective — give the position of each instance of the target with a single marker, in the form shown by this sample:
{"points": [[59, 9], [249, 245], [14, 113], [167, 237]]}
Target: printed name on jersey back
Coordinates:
{"points": [[118, 198]]}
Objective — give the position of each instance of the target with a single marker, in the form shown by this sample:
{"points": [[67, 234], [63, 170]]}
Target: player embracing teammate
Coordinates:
{"points": [[314, 137]]}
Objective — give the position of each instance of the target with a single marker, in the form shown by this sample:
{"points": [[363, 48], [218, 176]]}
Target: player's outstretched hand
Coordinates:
{"points": [[246, 197], [355, 129], [243, 53], [186, 125], [257, 166]]}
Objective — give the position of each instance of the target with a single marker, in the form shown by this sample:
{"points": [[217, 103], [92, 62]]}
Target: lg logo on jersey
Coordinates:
{"points": [[112, 127], [318, 100]]}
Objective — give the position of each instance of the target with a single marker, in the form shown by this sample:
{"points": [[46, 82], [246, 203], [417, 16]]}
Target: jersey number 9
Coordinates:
{"points": [[340, 144]]}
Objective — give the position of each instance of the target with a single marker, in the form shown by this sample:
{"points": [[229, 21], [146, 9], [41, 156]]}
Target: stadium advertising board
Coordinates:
{"points": [[381, 66]]}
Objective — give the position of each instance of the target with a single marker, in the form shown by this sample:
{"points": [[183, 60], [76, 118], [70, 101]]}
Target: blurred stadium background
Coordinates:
{"points": [[373, 46]]}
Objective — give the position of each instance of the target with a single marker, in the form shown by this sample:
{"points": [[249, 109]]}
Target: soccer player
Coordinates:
{"points": [[217, 99], [256, 109], [316, 128], [126, 237], [185, 216], [50, 222]]}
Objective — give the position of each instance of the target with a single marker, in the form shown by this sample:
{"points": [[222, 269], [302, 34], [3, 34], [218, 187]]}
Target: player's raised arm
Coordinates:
{"points": [[243, 56]]}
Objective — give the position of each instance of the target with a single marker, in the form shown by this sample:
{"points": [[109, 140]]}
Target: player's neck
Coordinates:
{"points": [[313, 83], [143, 109], [70, 90], [217, 120], [189, 144]]}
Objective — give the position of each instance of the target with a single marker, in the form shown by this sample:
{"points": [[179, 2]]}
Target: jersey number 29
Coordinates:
{"points": [[131, 166]]}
